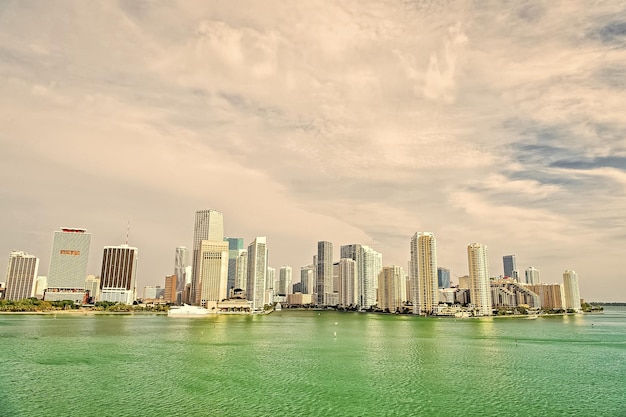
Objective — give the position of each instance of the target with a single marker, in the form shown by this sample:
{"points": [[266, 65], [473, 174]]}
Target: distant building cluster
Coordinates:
{"points": [[220, 274]]}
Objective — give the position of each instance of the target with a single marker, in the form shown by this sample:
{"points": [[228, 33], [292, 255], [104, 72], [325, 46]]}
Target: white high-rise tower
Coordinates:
{"points": [[572, 292], [480, 288], [68, 265], [423, 273], [257, 273], [209, 225], [21, 275]]}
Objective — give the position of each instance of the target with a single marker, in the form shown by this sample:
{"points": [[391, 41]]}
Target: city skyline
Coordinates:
{"points": [[494, 123]]}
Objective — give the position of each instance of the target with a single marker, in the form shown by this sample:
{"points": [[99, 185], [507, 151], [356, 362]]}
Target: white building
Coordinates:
{"points": [[213, 271], [572, 292], [68, 265], [257, 273], [118, 277], [532, 275], [21, 275], [307, 279], [92, 286], [424, 273], [241, 269], [480, 288], [348, 282], [285, 280], [209, 225]]}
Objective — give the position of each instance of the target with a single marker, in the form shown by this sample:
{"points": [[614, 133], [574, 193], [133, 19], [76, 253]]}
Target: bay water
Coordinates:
{"points": [[312, 363]]}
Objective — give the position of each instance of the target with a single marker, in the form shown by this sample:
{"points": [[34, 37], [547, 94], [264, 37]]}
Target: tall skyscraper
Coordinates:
{"points": [[510, 267], [285, 280], [257, 273], [572, 292], [241, 270], [443, 277], [532, 275], [118, 277], [170, 288], [306, 279], [391, 288], [68, 265], [213, 274], [480, 288], [424, 273], [369, 264], [235, 247], [209, 225], [348, 282], [21, 275], [324, 267], [181, 268]]}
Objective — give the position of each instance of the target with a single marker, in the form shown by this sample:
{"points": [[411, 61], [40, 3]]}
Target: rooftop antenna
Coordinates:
{"points": [[127, 232]]}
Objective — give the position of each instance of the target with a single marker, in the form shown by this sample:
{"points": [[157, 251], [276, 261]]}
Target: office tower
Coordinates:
{"points": [[306, 279], [209, 225], [21, 274], [92, 286], [118, 277], [68, 265], [170, 288], [270, 279], [181, 268], [213, 274], [443, 277], [241, 270], [348, 282], [572, 292], [257, 273], [285, 280], [424, 273], [369, 264], [480, 288], [235, 246], [531, 275], [391, 288], [324, 277], [41, 284], [510, 266]]}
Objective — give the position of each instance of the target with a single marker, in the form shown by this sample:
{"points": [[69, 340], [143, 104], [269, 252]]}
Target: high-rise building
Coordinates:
{"points": [[572, 292], [213, 274], [369, 263], [170, 288], [391, 288], [532, 275], [443, 277], [92, 287], [118, 277], [348, 282], [241, 269], [209, 225], [424, 273], [510, 266], [480, 288], [68, 265], [551, 295], [235, 246], [21, 275], [181, 268], [285, 280], [306, 279], [257, 273], [324, 276]]}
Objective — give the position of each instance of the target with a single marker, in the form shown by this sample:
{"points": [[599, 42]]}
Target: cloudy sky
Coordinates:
{"points": [[348, 121]]}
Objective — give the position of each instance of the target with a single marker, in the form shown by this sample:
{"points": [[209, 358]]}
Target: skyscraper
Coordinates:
{"points": [[181, 264], [257, 273], [348, 282], [480, 288], [532, 275], [424, 273], [118, 277], [391, 288], [241, 270], [235, 247], [324, 267], [572, 292], [21, 275], [170, 288], [68, 265], [285, 280], [510, 267], [306, 279], [213, 274], [443, 277], [369, 263], [209, 225]]}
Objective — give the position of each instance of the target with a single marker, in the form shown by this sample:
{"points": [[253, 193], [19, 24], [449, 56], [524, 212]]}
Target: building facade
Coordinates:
{"points": [[348, 282], [531, 275], [324, 276], [181, 268], [480, 289], [235, 247], [285, 280], [257, 273], [209, 225], [213, 273], [424, 273], [391, 288], [306, 279], [118, 277], [21, 276], [68, 265], [572, 292], [443, 277], [510, 266]]}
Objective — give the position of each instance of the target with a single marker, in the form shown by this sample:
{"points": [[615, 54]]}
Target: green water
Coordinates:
{"points": [[304, 363]]}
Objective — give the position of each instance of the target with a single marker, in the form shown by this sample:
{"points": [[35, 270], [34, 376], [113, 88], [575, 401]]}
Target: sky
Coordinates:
{"points": [[364, 122]]}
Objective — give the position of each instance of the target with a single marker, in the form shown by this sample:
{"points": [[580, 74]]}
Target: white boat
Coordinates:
{"points": [[187, 311]]}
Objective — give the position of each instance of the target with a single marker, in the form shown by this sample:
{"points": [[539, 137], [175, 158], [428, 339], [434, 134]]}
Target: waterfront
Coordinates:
{"points": [[312, 363]]}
